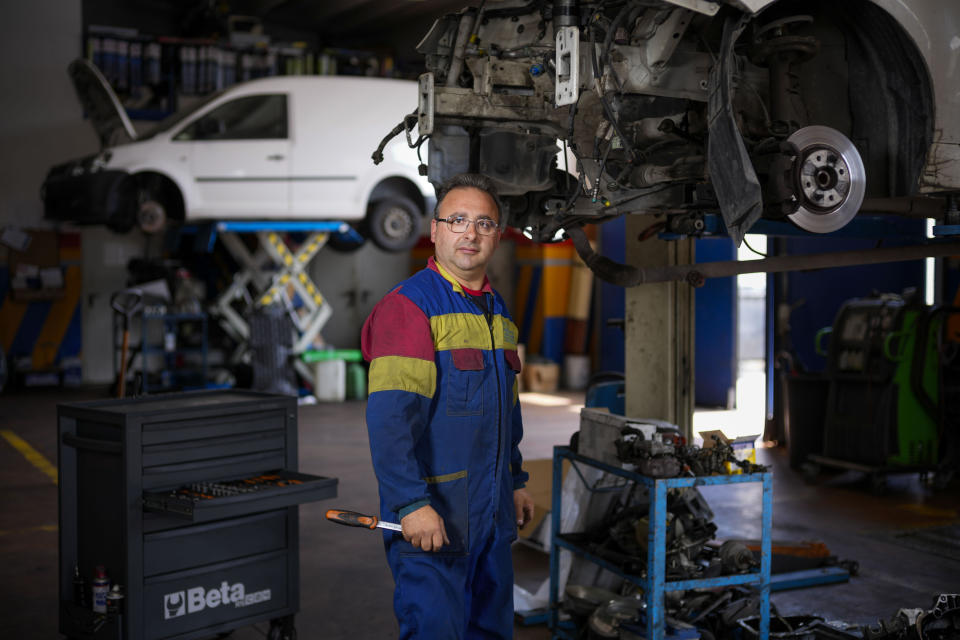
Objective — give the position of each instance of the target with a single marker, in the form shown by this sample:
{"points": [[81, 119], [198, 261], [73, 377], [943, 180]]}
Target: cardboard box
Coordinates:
{"points": [[540, 488], [541, 377], [40, 256]]}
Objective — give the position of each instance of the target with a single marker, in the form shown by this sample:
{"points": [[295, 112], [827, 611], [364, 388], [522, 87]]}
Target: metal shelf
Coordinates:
{"points": [[169, 372], [654, 584]]}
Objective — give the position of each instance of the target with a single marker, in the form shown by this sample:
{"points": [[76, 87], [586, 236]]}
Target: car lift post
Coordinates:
{"points": [[267, 274]]}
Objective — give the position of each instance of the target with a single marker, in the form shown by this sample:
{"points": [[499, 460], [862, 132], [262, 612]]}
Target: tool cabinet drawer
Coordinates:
{"points": [[209, 448], [216, 596], [157, 432], [210, 470], [191, 546], [204, 502]]}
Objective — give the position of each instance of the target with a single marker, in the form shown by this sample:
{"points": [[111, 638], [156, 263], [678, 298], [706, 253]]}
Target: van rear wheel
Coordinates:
{"points": [[394, 223]]}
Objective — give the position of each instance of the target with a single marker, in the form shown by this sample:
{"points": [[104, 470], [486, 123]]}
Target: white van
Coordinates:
{"points": [[281, 148]]}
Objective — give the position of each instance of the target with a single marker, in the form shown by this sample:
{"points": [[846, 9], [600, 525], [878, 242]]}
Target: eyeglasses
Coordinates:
{"points": [[459, 224]]}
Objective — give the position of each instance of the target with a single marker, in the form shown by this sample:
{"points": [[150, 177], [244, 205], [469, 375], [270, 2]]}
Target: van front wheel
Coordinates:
{"points": [[394, 223]]}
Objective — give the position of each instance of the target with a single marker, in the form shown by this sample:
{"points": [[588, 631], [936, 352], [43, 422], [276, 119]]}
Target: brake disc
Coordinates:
{"points": [[830, 179]]}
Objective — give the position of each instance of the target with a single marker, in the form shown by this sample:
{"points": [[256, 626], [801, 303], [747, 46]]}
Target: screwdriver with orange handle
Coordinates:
{"points": [[354, 519]]}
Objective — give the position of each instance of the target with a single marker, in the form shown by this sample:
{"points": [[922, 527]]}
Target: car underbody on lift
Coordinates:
{"points": [[809, 111]]}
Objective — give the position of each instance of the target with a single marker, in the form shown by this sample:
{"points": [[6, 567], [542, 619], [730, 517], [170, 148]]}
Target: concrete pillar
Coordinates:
{"points": [[659, 336]]}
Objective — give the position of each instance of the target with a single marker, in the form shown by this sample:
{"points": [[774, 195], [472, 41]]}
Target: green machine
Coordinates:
{"points": [[883, 409]]}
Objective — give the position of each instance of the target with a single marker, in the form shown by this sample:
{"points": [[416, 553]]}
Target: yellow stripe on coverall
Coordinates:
{"points": [[400, 373], [470, 331]]}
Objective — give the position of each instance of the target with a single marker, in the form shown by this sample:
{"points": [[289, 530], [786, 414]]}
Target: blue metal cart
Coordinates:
{"points": [[654, 584]]}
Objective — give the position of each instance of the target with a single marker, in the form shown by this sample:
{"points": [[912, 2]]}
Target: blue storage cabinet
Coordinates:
{"points": [[655, 585]]}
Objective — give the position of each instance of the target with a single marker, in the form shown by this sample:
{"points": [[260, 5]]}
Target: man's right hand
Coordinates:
{"points": [[424, 529]]}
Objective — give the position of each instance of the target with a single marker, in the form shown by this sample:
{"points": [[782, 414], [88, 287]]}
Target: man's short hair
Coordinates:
{"points": [[474, 181]]}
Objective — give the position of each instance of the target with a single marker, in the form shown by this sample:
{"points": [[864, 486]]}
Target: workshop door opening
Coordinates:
{"points": [[733, 402]]}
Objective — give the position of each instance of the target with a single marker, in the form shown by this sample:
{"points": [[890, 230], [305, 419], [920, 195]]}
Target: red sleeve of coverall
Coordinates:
{"points": [[397, 341]]}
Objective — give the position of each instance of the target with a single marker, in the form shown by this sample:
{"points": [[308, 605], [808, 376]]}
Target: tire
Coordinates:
{"points": [[123, 220], [148, 201], [394, 223]]}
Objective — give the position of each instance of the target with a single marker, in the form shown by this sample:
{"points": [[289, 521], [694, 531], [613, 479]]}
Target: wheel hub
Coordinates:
{"points": [[830, 179], [396, 223], [151, 216], [824, 178]]}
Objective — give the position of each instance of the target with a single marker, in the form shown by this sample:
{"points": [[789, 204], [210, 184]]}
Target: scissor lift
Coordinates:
{"points": [[273, 273]]}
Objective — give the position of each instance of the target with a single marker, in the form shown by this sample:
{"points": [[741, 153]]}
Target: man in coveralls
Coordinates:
{"points": [[444, 423]]}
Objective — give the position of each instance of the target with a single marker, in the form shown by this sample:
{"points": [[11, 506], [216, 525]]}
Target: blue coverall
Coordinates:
{"points": [[444, 422]]}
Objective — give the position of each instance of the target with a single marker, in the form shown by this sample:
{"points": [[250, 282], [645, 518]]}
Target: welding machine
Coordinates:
{"points": [[883, 368]]}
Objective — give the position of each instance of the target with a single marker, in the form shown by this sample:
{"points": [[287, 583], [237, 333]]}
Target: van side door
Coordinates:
{"points": [[331, 152], [240, 158]]}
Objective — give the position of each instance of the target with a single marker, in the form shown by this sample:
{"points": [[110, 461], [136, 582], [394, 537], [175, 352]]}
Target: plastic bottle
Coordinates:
{"points": [[99, 589], [80, 596], [115, 601]]}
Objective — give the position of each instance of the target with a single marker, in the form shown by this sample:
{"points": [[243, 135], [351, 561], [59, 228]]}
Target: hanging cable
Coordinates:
{"points": [[599, 179], [607, 110], [759, 253]]}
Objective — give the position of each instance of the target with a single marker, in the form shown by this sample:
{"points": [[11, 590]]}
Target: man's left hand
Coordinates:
{"points": [[523, 504]]}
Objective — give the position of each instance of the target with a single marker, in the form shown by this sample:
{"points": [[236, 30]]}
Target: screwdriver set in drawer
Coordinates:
{"points": [[197, 500]]}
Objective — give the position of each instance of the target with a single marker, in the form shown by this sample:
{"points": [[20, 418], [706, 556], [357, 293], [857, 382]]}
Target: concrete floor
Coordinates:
{"points": [[346, 588]]}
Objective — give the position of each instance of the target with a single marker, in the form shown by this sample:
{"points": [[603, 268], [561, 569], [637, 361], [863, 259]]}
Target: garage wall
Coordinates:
{"points": [[42, 124], [41, 121], [353, 283]]}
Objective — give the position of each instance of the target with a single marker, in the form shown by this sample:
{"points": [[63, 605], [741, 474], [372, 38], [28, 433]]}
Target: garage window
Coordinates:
{"points": [[248, 118]]}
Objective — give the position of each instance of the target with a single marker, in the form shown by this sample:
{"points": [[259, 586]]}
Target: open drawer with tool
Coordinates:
{"points": [[205, 501]]}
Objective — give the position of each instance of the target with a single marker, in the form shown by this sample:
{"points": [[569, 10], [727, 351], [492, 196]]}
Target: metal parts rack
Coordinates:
{"points": [[189, 501], [654, 584], [172, 374]]}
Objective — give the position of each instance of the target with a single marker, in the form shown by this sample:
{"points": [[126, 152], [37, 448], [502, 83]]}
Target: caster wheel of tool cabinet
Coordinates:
{"points": [[282, 629]]}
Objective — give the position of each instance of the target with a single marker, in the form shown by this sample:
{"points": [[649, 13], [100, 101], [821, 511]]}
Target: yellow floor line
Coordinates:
{"points": [[33, 456], [42, 527]]}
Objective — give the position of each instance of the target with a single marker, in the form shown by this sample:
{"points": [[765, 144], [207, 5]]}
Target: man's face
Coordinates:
{"points": [[465, 254]]}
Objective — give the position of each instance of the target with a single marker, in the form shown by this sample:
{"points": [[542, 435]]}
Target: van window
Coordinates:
{"points": [[247, 118]]}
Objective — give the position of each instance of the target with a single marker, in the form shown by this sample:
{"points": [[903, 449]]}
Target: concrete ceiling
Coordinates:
{"points": [[359, 21], [394, 26]]}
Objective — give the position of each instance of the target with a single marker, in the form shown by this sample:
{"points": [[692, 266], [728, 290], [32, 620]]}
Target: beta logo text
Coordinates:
{"points": [[196, 599]]}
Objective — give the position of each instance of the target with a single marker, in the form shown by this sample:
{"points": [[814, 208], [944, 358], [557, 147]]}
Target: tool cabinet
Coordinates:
{"points": [[189, 501]]}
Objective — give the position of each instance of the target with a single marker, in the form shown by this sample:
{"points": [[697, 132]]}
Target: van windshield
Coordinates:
{"points": [[176, 118]]}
